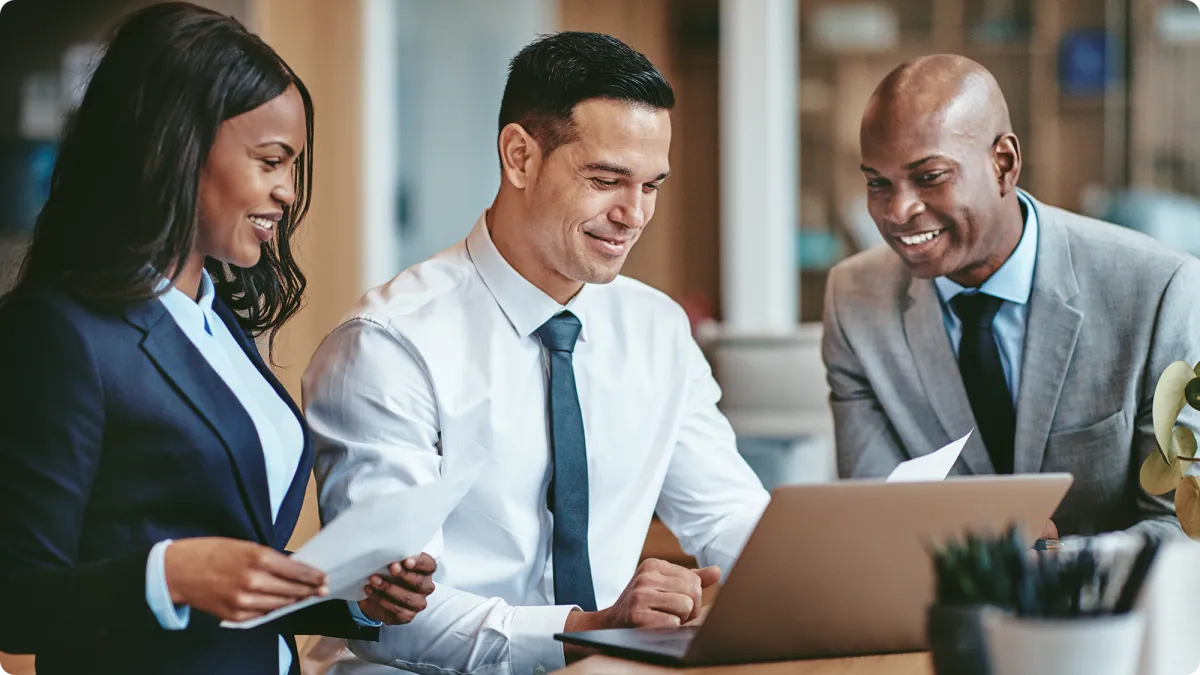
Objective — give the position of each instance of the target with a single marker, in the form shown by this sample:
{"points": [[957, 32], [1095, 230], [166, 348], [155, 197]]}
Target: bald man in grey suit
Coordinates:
{"points": [[1043, 330]]}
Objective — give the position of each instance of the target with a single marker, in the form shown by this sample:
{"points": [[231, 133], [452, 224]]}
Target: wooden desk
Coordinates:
{"points": [[661, 544], [892, 664]]}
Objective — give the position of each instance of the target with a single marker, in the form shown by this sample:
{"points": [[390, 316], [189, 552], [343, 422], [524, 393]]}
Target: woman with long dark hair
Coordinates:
{"points": [[151, 466]]}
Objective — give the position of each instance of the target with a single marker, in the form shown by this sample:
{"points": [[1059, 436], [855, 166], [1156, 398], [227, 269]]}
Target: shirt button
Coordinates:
{"points": [[539, 669]]}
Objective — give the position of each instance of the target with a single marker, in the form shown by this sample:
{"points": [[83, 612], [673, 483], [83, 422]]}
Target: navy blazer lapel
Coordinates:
{"points": [[184, 365], [289, 509]]}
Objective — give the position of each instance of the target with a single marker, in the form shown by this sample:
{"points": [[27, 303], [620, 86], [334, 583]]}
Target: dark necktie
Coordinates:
{"points": [[983, 376], [568, 498]]}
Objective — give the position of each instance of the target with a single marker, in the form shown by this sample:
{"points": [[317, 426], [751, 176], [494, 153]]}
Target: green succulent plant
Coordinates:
{"points": [[978, 571], [1166, 469]]}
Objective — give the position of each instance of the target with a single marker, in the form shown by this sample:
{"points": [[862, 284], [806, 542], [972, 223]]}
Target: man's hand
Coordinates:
{"points": [[397, 598], [237, 580], [1050, 531], [661, 595]]}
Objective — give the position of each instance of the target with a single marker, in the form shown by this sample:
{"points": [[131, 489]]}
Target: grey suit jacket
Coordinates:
{"points": [[1110, 309]]}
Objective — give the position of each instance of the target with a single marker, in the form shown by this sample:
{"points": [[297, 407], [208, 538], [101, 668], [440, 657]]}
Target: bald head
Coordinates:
{"points": [[942, 163], [945, 90]]}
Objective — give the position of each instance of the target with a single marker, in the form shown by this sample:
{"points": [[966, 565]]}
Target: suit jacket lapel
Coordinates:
{"points": [[1052, 331], [166, 345], [934, 358], [289, 509]]}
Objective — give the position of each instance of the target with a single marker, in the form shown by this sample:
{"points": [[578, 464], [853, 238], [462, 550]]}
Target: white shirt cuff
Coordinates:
{"points": [[170, 616], [534, 649], [360, 618]]}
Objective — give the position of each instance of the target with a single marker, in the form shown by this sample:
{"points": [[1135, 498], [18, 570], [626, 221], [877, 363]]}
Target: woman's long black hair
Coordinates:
{"points": [[123, 197]]}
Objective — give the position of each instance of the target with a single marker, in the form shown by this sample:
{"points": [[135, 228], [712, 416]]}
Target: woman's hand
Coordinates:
{"points": [[237, 580], [397, 598]]}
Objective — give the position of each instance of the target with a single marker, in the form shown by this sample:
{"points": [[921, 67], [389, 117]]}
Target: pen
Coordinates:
{"points": [[1137, 577]]}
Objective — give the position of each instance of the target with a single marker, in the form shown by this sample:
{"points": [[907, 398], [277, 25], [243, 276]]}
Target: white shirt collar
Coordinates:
{"points": [[526, 306], [183, 308]]}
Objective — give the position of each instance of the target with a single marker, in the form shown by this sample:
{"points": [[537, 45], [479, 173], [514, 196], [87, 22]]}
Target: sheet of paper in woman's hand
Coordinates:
{"points": [[365, 538], [932, 467]]}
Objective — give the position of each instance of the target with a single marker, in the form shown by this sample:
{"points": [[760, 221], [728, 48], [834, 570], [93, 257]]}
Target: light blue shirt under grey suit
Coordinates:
{"points": [[1012, 283]]}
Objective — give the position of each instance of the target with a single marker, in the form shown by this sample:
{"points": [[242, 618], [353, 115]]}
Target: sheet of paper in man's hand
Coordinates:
{"points": [[365, 538], [932, 467]]}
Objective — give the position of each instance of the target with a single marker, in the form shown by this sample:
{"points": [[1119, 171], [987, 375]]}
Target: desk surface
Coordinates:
{"points": [[891, 664]]}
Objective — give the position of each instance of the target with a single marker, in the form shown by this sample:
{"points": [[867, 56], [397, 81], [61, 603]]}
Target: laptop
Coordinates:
{"points": [[839, 569]]}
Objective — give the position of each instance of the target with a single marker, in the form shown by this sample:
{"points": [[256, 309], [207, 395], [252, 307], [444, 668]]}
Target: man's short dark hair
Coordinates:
{"points": [[556, 72]]}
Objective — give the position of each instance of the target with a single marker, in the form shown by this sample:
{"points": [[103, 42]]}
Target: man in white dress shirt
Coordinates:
{"points": [[580, 393]]}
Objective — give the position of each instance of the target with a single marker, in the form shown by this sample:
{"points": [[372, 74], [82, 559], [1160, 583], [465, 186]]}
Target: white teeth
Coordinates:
{"points": [[262, 222], [919, 238]]}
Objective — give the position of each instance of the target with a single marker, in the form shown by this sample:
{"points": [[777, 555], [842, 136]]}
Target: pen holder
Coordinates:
{"points": [[956, 640], [1099, 645]]}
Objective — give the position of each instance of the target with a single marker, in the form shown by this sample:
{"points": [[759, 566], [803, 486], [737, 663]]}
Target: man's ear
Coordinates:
{"points": [[1006, 156], [520, 155]]}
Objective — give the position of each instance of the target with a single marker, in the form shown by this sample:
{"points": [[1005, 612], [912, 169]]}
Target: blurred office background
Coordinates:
{"points": [[765, 196]]}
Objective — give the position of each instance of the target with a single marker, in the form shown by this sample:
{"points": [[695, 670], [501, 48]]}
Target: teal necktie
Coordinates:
{"points": [[568, 498]]}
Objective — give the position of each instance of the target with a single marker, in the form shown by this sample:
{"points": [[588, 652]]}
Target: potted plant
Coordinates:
{"points": [[1003, 609], [1166, 469], [970, 576]]}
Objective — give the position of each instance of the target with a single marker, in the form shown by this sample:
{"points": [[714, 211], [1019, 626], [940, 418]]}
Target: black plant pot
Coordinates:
{"points": [[956, 639]]}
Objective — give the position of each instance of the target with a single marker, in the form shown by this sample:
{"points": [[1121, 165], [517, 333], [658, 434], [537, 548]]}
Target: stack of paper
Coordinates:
{"points": [[370, 535]]}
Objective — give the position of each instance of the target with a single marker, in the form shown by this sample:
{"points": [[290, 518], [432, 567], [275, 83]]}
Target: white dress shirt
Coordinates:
{"points": [[440, 369]]}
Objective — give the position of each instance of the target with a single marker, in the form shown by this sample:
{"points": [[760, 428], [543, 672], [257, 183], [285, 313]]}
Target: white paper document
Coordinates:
{"points": [[366, 538], [932, 467]]}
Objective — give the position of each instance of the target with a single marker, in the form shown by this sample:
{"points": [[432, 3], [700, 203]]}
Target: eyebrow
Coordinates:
{"points": [[919, 162], [620, 170], [286, 148]]}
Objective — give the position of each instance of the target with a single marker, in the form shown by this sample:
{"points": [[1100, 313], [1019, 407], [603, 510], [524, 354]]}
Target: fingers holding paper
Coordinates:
{"points": [[415, 574], [367, 538], [236, 580], [398, 597]]}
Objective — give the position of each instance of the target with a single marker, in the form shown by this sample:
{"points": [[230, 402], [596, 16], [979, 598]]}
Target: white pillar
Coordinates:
{"points": [[380, 142], [759, 164]]}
